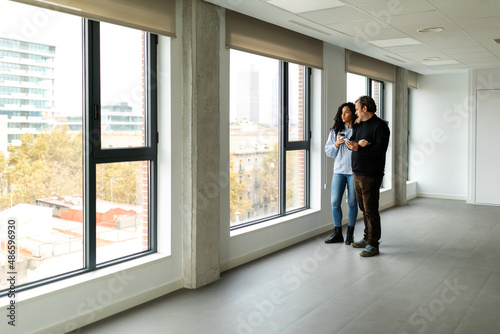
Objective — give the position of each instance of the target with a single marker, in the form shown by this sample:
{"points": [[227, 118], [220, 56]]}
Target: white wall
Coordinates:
{"points": [[484, 158], [439, 136]]}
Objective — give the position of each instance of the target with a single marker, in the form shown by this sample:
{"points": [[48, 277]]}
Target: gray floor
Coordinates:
{"points": [[438, 272]]}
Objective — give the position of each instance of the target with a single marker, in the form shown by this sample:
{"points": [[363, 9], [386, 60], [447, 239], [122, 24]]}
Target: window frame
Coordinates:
{"points": [[285, 145], [369, 86], [93, 154]]}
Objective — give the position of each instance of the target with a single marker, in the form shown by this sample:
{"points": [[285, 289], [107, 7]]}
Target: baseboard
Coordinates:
{"points": [[442, 196], [412, 196], [386, 206], [109, 310]]}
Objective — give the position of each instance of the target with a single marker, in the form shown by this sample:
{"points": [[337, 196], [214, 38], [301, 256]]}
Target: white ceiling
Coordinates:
{"points": [[387, 30]]}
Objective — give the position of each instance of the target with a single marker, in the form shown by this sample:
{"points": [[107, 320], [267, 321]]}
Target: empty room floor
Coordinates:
{"points": [[438, 272]]}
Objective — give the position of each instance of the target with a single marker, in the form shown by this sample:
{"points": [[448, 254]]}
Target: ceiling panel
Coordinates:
{"points": [[360, 2], [387, 9], [491, 45], [336, 15], [424, 19], [467, 9], [410, 48], [359, 30], [452, 42], [420, 55], [449, 67], [460, 50], [486, 33], [479, 64], [472, 25], [476, 55], [367, 30]]}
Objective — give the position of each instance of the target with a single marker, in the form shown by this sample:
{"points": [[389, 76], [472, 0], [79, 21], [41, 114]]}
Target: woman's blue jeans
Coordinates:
{"points": [[339, 183]]}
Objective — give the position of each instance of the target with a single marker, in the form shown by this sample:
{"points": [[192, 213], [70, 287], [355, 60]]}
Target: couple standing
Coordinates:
{"points": [[358, 142]]}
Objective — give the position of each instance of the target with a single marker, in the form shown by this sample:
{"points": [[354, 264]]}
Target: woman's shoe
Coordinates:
{"points": [[336, 236], [349, 238]]}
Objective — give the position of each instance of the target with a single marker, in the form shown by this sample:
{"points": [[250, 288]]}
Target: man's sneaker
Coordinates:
{"points": [[369, 251], [360, 244]]}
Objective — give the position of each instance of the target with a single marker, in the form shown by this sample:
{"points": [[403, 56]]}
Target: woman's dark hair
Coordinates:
{"points": [[338, 124]]}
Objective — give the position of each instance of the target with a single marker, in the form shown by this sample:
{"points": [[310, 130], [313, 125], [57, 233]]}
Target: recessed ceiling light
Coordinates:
{"points": [[430, 30], [431, 58], [497, 40]]}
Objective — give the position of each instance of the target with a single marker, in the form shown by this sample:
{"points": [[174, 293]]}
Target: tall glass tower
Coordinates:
{"points": [[26, 89]]}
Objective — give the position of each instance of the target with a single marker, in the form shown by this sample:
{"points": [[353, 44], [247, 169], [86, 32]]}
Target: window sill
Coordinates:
{"points": [[271, 223], [59, 286]]}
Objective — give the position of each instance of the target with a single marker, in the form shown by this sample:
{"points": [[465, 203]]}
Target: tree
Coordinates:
{"points": [[44, 165], [268, 176], [236, 201], [269, 179], [120, 182], [51, 164]]}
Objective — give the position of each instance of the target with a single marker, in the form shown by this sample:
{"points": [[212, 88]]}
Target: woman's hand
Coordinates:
{"points": [[340, 141]]}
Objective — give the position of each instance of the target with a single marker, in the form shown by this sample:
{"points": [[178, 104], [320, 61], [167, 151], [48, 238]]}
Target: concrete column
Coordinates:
{"points": [[201, 216], [400, 135]]}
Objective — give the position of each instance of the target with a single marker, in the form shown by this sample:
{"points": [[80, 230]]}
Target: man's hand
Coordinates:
{"points": [[363, 143], [353, 146]]}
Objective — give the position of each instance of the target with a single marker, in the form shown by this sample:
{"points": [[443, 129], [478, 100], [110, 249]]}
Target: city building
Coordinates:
{"points": [[26, 89], [121, 126], [27, 83]]}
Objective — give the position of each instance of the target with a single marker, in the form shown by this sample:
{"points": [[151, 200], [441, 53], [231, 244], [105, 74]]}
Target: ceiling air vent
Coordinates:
{"points": [[430, 30]]}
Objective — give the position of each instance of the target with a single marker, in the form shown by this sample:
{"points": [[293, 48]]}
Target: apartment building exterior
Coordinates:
{"points": [[26, 89]]}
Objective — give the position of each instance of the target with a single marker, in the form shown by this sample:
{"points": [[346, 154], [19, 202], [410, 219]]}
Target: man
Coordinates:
{"points": [[369, 145]]}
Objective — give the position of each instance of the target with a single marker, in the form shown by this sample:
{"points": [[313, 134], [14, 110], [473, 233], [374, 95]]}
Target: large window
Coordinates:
{"points": [[78, 154], [269, 138], [358, 85]]}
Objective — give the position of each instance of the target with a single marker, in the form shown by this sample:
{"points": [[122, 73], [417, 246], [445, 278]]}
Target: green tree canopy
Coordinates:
{"points": [[51, 164]]}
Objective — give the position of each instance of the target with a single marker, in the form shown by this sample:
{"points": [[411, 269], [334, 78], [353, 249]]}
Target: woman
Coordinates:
{"points": [[336, 148]]}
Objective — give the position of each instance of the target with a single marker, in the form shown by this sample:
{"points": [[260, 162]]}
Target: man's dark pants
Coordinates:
{"points": [[368, 195]]}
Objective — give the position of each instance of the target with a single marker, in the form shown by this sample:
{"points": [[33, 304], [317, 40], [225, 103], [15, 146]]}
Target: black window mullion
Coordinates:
{"points": [[125, 154], [307, 118], [152, 134], [298, 145], [283, 141], [153, 206], [151, 91], [92, 137]]}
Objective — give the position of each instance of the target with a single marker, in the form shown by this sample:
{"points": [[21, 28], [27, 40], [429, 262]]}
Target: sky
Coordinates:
{"points": [[268, 73], [64, 31]]}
